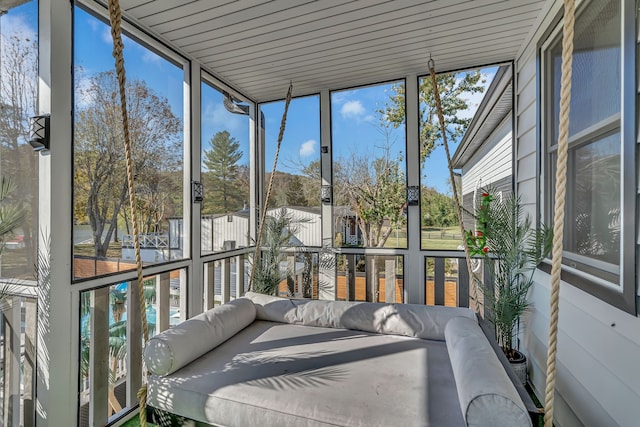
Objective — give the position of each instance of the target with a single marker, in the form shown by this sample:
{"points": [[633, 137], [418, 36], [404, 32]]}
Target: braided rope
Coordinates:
{"points": [[558, 214], [283, 124], [443, 127], [115, 17]]}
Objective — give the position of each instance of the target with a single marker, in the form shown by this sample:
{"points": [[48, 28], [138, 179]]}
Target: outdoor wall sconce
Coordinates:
{"points": [[413, 195], [197, 190], [325, 193], [39, 132]]}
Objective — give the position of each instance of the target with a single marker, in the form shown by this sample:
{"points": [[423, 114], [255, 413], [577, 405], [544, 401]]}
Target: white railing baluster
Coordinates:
{"points": [[209, 278], [134, 344], [99, 358], [11, 312], [28, 394], [225, 280], [240, 259], [390, 280], [163, 282]]}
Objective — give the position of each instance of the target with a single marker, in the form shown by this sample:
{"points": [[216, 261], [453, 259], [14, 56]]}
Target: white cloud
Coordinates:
{"points": [[93, 23], [352, 109], [106, 35], [18, 25], [215, 115], [474, 99], [307, 148], [151, 58]]}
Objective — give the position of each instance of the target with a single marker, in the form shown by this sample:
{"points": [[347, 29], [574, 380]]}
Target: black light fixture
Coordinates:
{"points": [[325, 193], [39, 132], [197, 191], [413, 195]]}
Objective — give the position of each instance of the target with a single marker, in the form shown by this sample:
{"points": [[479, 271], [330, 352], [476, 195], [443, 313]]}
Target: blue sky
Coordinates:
{"points": [[354, 121]]}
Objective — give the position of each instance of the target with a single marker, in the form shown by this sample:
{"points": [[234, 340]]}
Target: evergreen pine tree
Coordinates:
{"points": [[222, 186], [295, 192]]}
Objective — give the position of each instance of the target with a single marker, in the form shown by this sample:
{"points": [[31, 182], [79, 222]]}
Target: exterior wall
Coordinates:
{"points": [[232, 228], [598, 380], [489, 166], [218, 230], [492, 162], [309, 229]]}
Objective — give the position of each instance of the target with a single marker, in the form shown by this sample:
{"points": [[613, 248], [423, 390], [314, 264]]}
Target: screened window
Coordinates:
{"points": [[225, 171], [295, 196], [369, 166], [102, 231], [18, 162], [594, 212]]}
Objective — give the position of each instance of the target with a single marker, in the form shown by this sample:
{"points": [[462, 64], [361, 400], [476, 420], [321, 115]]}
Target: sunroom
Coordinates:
{"points": [[206, 87]]}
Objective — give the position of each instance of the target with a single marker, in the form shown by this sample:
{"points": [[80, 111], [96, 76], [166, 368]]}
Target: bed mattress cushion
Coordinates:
{"points": [[347, 377]]}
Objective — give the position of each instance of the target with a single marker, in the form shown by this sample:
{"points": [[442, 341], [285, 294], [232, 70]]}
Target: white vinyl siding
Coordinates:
{"points": [[491, 163], [598, 380]]}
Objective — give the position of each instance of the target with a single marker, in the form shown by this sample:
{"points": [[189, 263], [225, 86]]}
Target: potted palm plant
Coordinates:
{"points": [[279, 233], [512, 249]]}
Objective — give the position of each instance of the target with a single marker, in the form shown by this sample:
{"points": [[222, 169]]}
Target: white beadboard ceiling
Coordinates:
{"points": [[258, 46]]}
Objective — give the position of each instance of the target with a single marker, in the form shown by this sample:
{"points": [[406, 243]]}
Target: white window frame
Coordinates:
{"points": [[623, 293]]}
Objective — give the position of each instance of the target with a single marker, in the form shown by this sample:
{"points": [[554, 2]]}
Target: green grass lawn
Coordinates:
{"points": [[135, 422]]}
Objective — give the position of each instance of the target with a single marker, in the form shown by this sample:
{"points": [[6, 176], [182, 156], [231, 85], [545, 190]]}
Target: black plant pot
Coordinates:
{"points": [[518, 362]]}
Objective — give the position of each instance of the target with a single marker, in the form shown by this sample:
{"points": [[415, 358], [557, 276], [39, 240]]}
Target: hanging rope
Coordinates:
{"points": [[115, 17], [283, 124], [443, 128], [558, 213]]}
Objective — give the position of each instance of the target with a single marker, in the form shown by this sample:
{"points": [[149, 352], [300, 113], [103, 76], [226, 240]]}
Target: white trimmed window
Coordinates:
{"points": [[599, 252]]}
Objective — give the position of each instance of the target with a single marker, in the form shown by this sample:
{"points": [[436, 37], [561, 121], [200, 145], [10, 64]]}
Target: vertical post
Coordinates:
{"points": [[99, 357], [488, 290], [192, 155], [240, 261], [414, 278], [11, 313], [58, 339], [291, 275], [29, 394], [438, 281], [327, 264], [134, 344], [462, 290], [390, 279], [163, 290], [183, 295], [208, 278], [350, 276], [225, 280]]}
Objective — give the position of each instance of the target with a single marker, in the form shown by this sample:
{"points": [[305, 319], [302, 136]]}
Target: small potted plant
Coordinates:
{"points": [[512, 249]]}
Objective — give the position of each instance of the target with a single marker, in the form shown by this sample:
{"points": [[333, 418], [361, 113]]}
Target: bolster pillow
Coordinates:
{"points": [[174, 348], [487, 395], [410, 320]]}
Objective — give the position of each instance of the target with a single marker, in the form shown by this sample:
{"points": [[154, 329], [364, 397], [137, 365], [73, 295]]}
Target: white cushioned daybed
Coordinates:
{"points": [[268, 361]]}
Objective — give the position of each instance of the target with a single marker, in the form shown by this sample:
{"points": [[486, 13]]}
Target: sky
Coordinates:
{"points": [[354, 127], [353, 112]]}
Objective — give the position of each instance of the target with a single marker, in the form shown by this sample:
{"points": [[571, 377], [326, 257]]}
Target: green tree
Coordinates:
{"points": [[311, 182], [437, 209], [100, 182], [19, 101], [375, 189], [452, 88], [295, 192], [223, 174]]}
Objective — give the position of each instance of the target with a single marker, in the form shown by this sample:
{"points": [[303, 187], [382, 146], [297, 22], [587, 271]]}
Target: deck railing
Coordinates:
{"points": [[18, 308], [111, 337]]}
